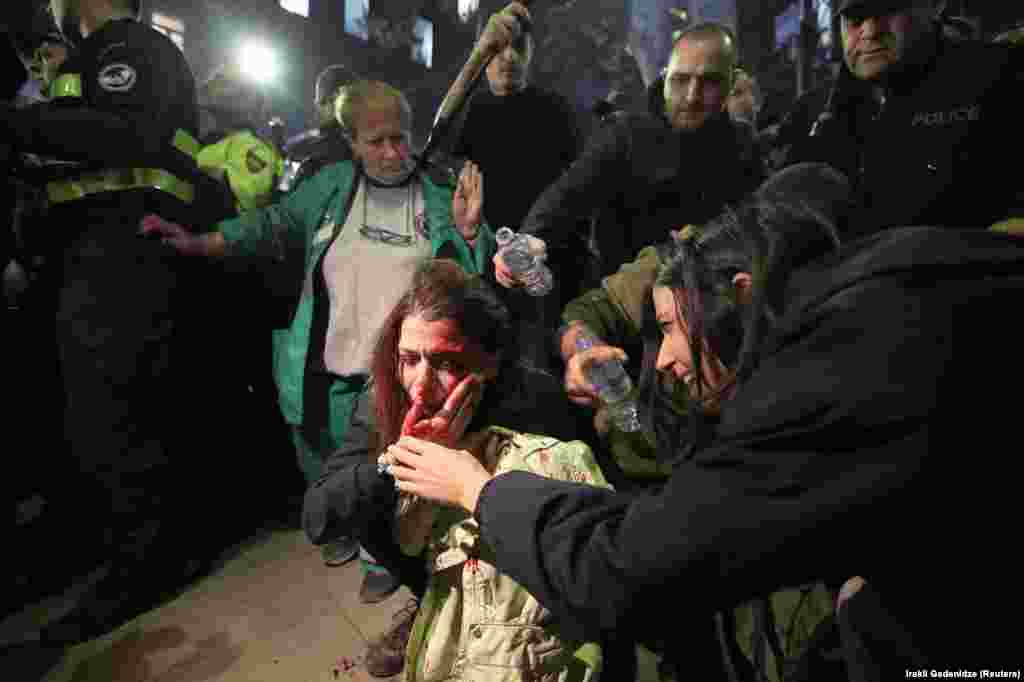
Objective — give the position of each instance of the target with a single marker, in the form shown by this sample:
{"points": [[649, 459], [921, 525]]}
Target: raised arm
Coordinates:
{"points": [[593, 180]]}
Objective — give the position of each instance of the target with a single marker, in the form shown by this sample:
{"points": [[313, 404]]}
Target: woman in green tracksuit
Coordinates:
{"points": [[363, 227]]}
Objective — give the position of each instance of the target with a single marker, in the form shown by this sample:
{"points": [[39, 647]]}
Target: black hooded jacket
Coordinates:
{"points": [[646, 179], [876, 437]]}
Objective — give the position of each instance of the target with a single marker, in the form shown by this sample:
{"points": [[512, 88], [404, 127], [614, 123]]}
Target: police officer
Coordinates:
{"points": [[233, 150], [314, 149], [124, 109], [921, 124], [47, 58]]}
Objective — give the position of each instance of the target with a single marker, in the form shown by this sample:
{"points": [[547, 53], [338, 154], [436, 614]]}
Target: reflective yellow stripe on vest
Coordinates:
{"points": [[66, 85], [119, 179]]}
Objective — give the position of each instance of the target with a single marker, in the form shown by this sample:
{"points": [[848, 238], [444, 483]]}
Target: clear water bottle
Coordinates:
{"points": [[515, 250], [613, 385]]}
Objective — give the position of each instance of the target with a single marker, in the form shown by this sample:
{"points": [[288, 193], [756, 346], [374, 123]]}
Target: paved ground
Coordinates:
{"points": [[271, 612]]}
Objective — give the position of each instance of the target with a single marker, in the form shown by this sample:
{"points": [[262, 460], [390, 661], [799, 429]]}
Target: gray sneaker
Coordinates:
{"points": [[377, 586], [339, 552]]}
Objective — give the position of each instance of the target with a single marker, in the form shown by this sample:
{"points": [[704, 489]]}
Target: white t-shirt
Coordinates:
{"points": [[366, 275]]}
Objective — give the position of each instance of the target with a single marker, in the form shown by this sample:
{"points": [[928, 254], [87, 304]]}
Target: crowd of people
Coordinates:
{"points": [[815, 320]]}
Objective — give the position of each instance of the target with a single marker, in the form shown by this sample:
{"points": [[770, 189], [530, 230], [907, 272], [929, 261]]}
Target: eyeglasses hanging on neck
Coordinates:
{"points": [[384, 235]]}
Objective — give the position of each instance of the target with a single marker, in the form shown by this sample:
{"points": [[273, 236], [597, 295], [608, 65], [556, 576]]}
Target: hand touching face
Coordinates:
{"points": [[441, 370]]}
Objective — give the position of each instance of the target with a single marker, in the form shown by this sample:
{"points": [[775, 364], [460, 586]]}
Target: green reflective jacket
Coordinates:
{"points": [[251, 166]]}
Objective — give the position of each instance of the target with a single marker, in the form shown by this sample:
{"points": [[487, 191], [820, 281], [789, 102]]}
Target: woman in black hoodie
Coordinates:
{"points": [[861, 431]]}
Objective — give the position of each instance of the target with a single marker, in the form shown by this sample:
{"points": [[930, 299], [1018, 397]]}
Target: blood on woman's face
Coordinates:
{"points": [[433, 357]]}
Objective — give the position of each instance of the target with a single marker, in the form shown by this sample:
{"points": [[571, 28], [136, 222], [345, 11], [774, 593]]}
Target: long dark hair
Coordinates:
{"points": [[440, 290], [793, 219]]}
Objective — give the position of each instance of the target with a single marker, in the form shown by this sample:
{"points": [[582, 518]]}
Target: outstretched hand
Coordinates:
{"points": [[173, 234], [577, 387], [506, 278], [435, 472]]}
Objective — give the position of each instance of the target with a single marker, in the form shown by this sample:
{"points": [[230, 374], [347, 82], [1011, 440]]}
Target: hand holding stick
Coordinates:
{"points": [[502, 28]]}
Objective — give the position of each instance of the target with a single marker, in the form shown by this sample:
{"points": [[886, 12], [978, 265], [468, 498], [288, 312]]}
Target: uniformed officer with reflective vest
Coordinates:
{"points": [[234, 149], [123, 111]]}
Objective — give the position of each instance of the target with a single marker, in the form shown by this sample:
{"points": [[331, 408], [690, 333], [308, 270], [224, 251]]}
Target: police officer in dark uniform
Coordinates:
{"points": [[921, 124], [314, 149], [124, 110]]}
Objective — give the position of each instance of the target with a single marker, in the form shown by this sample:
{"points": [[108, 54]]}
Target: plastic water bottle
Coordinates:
{"points": [[613, 385], [515, 250]]}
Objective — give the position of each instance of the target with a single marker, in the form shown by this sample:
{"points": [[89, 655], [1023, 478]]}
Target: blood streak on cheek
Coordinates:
{"points": [[414, 413], [450, 347], [418, 394]]}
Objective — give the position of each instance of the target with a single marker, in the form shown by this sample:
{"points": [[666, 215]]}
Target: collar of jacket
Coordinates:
{"points": [[718, 137], [656, 98], [908, 77]]}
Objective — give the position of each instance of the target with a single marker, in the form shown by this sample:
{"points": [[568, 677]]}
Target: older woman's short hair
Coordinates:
{"points": [[368, 95]]}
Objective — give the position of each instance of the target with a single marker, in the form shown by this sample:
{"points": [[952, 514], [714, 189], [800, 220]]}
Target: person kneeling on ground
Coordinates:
{"points": [[438, 374]]}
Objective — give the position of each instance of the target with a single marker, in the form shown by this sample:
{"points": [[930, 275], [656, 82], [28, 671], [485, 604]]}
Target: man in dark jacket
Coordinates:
{"points": [[650, 173], [523, 137], [924, 144]]}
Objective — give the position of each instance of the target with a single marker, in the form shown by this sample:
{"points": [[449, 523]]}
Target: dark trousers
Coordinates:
{"points": [[136, 418]]}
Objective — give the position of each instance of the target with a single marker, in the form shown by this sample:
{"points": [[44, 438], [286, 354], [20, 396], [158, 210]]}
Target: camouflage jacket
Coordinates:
{"points": [[476, 623]]}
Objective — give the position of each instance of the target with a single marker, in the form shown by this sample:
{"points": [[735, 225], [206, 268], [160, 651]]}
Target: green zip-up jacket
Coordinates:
{"points": [[312, 216]]}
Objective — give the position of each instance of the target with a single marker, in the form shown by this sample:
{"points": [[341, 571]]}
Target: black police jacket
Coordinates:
{"points": [[942, 148], [137, 91]]}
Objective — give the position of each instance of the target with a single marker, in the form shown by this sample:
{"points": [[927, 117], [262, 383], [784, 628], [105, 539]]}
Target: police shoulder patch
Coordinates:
{"points": [[254, 162], [117, 78]]}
